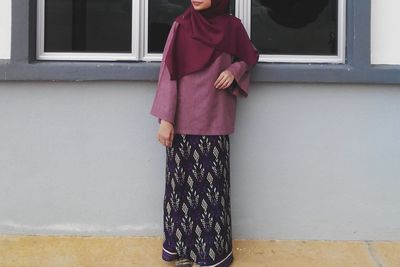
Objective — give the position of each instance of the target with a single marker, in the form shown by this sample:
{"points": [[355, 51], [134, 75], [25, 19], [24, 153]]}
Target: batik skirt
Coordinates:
{"points": [[197, 214]]}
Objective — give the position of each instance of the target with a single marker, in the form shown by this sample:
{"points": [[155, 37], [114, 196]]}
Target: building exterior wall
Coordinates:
{"points": [[5, 29], [385, 23], [309, 160]]}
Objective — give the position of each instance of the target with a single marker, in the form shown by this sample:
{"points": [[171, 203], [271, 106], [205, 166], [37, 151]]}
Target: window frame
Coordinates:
{"points": [[42, 55], [146, 56], [140, 37], [23, 66]]}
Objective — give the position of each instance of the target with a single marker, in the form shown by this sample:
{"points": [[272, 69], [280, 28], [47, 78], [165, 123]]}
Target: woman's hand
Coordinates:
{"points": [[224, 80], [165, 133]]}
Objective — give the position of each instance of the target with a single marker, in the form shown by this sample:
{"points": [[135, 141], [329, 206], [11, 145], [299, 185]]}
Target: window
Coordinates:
{"points": [[27, 43], [159, 20], [283, 31], [88, 29], [298, 31], [161, 14]]}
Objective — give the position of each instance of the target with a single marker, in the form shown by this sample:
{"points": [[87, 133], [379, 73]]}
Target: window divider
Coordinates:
{"points": [[243, 12], [136, 24]]}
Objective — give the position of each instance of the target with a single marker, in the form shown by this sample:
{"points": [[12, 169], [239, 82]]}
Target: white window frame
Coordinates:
{"points": [[140, 38], [90, 56]]}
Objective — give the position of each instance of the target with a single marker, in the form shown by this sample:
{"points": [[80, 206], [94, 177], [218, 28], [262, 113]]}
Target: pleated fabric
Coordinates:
{"points": [[197, 214]]}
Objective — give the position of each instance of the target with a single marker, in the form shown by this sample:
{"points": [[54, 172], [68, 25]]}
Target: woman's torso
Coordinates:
{"points": [[201, 108]]}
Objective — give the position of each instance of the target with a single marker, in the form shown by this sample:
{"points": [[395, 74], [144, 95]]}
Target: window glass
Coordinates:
{"points": [[161, 15], [88, 26], [296, 27]]}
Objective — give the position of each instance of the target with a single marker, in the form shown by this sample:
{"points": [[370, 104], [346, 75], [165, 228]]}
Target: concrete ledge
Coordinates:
{"points": [[68, 251]]}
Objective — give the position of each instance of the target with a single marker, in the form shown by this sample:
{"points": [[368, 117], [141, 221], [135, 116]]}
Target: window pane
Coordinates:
{"points": [[161, 15], [295, 27], [88, 26]]}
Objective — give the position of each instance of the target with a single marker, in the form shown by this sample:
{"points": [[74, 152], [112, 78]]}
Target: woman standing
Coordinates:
{"points": [[195, 104]]}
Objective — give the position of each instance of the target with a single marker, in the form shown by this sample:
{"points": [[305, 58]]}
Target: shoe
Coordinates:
{"points": [[183, 263]]}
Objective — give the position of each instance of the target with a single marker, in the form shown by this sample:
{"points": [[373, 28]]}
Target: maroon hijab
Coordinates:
{"points": [[203, 35]]}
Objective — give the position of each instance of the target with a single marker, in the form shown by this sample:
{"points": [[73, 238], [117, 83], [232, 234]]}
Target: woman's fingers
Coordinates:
{"points": [[219, 85], [225, 83], [166, 140], [170, 139], [224, 80], [165, 133], [160, 139], [167, 143], [219, 80]]}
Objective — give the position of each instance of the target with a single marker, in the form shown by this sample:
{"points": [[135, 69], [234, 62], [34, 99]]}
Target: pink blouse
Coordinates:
{"points": [[192, 104]]}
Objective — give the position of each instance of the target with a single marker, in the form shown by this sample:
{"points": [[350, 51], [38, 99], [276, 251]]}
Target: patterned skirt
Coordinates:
{"points": [[197, 215]]}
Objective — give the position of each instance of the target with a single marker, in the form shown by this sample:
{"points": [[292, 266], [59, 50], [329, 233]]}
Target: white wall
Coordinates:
{"points": [[5, 29], [309, 161], [385, 28]]}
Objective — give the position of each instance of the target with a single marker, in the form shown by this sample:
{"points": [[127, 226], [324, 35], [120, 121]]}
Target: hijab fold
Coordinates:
{"points": [[204, 35]]}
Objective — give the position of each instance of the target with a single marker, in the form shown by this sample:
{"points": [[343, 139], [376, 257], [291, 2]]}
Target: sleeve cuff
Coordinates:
{"points": [[160, 116], [238, 69]]}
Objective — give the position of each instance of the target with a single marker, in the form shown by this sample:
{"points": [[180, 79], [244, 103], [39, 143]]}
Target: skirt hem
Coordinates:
{"points": [[171, 256]]}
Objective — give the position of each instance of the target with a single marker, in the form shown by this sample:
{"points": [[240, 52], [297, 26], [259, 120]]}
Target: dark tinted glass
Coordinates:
{"points": [[297, 27], [88, 25], [161, 15]]}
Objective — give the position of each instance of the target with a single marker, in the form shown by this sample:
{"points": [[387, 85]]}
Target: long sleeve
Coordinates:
{"points": [[241, 72], [165, 100]]}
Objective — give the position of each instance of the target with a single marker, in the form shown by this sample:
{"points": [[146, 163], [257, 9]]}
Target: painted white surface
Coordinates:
{"points": [[5, 29], [385, 37], [309, 161]]}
